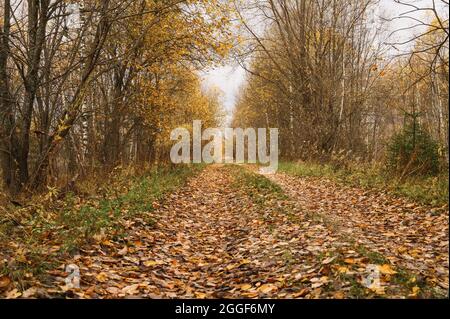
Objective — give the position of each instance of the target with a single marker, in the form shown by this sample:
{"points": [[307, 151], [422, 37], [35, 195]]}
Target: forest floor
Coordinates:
{"points": [[231, 232]]}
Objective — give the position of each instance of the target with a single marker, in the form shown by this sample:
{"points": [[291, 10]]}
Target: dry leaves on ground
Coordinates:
{"points": [[213, 240]]}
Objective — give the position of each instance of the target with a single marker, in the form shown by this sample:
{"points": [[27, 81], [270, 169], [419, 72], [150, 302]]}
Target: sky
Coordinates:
{"points": [[231, 77]]}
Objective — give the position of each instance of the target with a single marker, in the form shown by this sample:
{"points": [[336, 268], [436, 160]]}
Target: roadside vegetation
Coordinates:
{"points": [[35, 236], [430, 190]]}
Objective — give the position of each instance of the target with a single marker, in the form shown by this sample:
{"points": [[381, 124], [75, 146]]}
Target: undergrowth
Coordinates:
{"points": [[33, 237], [430, 190]]}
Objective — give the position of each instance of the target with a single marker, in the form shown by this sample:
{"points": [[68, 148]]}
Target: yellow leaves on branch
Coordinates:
{"points": [[174, 44]]}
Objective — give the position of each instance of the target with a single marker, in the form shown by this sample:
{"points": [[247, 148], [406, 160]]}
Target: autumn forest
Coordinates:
{"points": [[92, 205]]}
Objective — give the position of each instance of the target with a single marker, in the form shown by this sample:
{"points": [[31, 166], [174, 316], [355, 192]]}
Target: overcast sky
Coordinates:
{"points": [[230, 78]]}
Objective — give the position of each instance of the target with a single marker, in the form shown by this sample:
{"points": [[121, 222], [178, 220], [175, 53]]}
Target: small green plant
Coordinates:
{"points": [[412, 152]]}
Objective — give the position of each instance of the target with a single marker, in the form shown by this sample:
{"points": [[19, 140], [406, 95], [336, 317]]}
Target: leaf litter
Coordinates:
{"points": [[213, 239]]}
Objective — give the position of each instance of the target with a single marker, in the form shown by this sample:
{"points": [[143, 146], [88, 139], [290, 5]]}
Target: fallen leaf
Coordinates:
{"points": [[102, 277], [130, 290], [200, 295], [342, 269], [13, 294], [303, 292], [386, 270], [328, 260], [415, 291], [4, 281], [339, 295], [29, 292], [379, 290], [107, 243], [246, 286], [113, 290], [151, 263], [250, 294], [230, 266], [123, 251], [317, 285], [267, 288]]}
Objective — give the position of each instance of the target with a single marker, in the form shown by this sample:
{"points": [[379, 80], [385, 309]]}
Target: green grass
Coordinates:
{"points": [[431, 190], [259, 188], [372, 256], [308, 170]]}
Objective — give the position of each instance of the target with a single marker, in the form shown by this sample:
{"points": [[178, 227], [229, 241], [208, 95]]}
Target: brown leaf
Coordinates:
{"points": [[29, 292], [113, 290], [246, 286], [200, 295], [13, 294], [386, 270], [328, 260], [4, 282], [102, 277], [267, 288], [303, 292], [131, 289], [123, 251]]}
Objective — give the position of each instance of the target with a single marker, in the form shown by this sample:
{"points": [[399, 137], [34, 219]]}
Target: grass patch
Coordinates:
{"points": [[259, 188], [431, 190], [372, 256]]}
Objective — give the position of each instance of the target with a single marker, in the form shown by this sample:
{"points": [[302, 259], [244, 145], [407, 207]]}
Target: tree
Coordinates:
{"points": [[80, 80]]}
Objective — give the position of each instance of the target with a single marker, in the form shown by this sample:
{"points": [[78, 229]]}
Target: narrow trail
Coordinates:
{"points": [[212, 239]]}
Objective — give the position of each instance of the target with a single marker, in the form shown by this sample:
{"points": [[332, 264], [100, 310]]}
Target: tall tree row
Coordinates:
{"points": [[88, 85], [322, 73]]}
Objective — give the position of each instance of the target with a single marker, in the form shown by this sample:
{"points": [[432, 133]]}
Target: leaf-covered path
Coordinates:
{"points": [[232, 233]]}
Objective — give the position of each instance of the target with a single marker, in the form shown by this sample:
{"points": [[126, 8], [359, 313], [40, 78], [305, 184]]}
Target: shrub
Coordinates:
{"points": [[413, 152]]}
